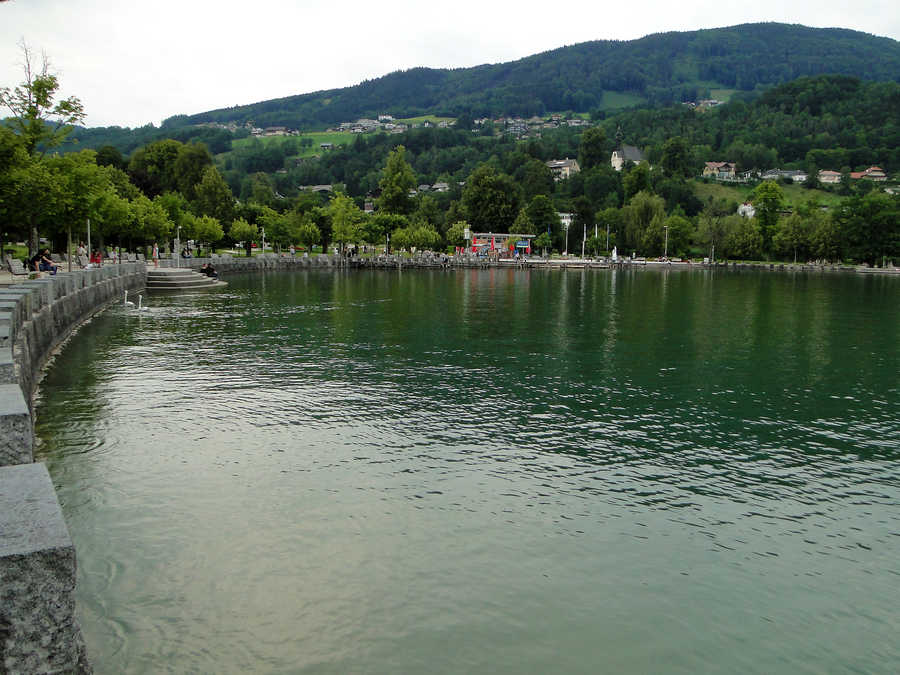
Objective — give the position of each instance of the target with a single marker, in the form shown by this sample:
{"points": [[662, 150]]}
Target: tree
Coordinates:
{"points": [[34, 199], [274, 226], [83, 186], [213, 196], [869, 226], [543, 242], [535, 178], [680, 232], [152, 168], [427, 211], [792, 236], [825, 239], [636, 180], [543, 215], [109, 155], [645, 212], [190, 164], [523, 224], [611, 220], [676, 158], [583, 212], [602, 183], [207, 230], [176, 208], [308, 234], [743, 238], [711, 230], [146, 220], [345, 220], [593, 151], [491, 200], [456, 233], [768, 199], [40, 122], [397, 179], [242, 231]]}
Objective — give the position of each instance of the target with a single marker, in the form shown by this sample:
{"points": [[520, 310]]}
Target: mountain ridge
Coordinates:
{"points": [[659, 68]]}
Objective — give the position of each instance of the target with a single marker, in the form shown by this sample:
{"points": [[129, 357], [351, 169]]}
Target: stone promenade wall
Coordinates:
{"points": [[38, 631], [258, 263]]}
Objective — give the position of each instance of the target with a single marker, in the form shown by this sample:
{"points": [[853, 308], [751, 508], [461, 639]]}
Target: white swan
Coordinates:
{"points": [[127, 302], [140, 307]]}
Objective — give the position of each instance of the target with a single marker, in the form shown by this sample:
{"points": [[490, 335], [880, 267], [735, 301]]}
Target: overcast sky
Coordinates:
{"points": [[132, 63]]}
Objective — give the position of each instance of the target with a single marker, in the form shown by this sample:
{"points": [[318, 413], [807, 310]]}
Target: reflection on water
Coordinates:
{"points": [[487, 471]]}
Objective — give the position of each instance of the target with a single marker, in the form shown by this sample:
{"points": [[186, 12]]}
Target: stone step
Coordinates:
{"points": [[180, 279]]}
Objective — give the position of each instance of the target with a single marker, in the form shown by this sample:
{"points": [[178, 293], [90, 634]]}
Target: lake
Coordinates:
{"points": [[487, 471]]}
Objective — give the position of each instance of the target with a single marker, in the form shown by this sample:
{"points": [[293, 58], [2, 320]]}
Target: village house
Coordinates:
{"points": [[625, 153], [563, 168], [746, 210], [829, 177], [872, 173], [719, 170]]}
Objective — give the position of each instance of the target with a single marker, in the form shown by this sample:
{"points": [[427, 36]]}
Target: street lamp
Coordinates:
{"points": [[666, 254], [566, 252], [177, 252]]}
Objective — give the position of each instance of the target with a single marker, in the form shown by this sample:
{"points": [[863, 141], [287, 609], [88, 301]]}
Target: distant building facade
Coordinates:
{"points": [[625, 153]]}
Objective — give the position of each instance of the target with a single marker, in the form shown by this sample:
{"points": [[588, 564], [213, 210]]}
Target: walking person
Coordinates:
{"points": [[155, 254]]}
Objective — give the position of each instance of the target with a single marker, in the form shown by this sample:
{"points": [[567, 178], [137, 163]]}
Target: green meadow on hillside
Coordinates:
{"points": [[794, 195]]}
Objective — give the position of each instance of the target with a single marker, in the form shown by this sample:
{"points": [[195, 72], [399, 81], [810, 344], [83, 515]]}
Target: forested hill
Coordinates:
{"points": [[657, 69]]}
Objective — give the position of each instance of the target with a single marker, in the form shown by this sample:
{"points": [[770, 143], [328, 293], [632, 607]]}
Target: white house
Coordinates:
{"points": [[625, 153]]}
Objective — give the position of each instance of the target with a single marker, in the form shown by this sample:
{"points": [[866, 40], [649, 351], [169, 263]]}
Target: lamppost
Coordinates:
{"points": [[566, 252], [177, 252], [666, 254]]}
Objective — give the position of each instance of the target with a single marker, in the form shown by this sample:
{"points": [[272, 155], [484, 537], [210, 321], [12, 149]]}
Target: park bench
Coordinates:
{"points": [[141, 258], [16, 268]]}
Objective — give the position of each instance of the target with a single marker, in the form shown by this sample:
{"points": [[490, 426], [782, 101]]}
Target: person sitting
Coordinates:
{"points": [[209, 271], [34, 261], [185, 253], [96, 259], [45, 262]]}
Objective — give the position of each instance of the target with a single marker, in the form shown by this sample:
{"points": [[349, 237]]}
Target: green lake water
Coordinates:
{"points": [[487, 471]]}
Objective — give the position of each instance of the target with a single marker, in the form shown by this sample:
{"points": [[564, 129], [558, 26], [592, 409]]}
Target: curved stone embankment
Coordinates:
{"points": [[38, 631]]}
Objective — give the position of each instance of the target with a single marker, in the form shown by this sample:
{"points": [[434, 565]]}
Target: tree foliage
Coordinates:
{"points": [[41, 121]]}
